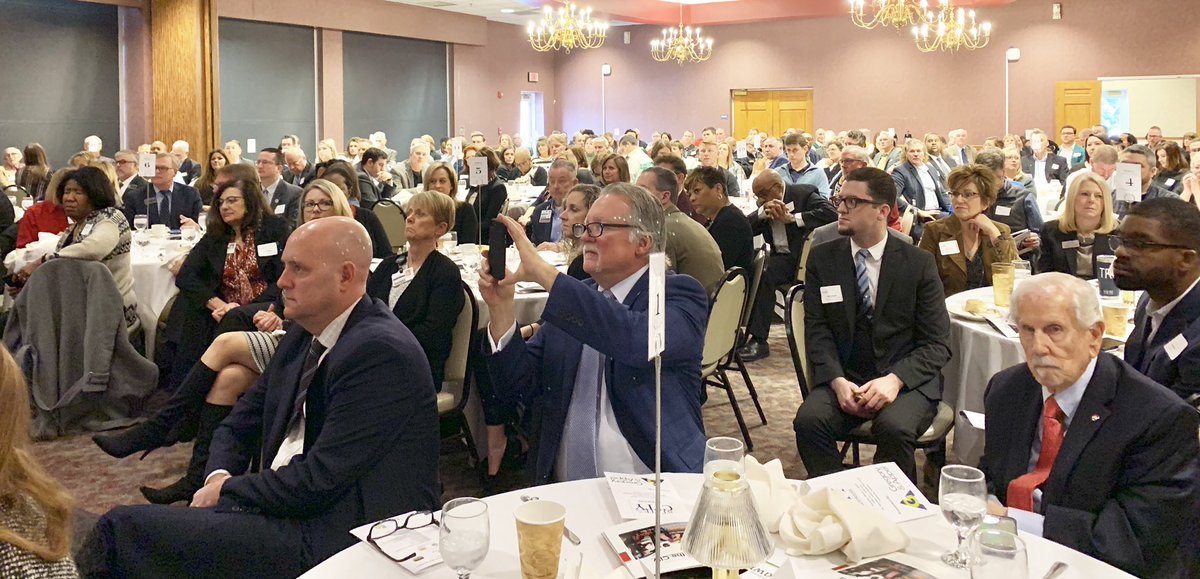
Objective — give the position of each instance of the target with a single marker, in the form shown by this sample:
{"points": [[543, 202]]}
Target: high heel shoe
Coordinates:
{"points": [[147, 436]]}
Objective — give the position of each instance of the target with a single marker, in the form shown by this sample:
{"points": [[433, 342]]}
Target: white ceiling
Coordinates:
{"points": [[490, 9]]}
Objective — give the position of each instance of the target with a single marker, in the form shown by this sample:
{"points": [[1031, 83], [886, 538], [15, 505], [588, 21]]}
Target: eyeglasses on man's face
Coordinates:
{"points": [[596, 228], [851, 203], [1118, 240]]}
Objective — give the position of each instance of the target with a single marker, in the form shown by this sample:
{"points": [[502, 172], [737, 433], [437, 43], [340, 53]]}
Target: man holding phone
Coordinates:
{"points": [[587, 365]]}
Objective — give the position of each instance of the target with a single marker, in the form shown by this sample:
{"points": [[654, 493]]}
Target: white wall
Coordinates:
{"points": [[1169, 103]]}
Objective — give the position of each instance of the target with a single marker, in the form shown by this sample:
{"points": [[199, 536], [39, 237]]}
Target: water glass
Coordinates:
{"points": [[1022, 270], [465, 535], [962, 497], [998, 554], [189, 234], [724, 453], [141, 222]]}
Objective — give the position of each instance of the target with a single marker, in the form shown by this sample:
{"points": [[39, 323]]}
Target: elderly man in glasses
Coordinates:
{"points": [[868, 365], [1158, 251], [587, 366]]}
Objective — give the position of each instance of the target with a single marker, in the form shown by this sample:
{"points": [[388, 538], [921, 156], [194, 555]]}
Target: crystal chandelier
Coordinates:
{"points": [[951, 29], [895, 13], [681, 44], [569, 28]]}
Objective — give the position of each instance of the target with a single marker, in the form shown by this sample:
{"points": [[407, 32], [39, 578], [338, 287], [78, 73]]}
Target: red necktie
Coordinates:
{"points": [[1020, 490]]}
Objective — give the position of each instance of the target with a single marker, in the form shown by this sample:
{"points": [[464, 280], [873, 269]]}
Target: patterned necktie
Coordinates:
{"points": [[582, 424], [1020, 490], [307, 373], [866, 305], [164, 207]]}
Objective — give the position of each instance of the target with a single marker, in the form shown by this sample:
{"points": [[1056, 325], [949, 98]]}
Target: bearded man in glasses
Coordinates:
{"points": [[877, 333]]}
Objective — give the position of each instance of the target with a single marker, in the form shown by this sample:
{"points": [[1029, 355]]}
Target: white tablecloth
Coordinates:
{"points": [[977, 352], [590, 509], [153, 282]]}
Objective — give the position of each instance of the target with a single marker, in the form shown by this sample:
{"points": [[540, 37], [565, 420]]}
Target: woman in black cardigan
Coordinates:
{"points": [[441, 178], [237, 262], [1071, 243], [422, 286], [727, 224]]}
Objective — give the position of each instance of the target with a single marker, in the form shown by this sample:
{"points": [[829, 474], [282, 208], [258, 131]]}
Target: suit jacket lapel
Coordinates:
{"points": [[1089, 417], [846, 278], [289, 385], [1028, 410], [883, 287]]}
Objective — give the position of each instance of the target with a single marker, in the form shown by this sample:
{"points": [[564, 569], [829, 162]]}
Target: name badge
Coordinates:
{"points": [[268, 249], [229, 249], [831, 294], [1071, 244], [792, 206], [1003, 211], [279, 209], [546, 216], [1175, 347], [87, 229], [152, 200], [1054, 166], [1170, 183], [948, 247]]}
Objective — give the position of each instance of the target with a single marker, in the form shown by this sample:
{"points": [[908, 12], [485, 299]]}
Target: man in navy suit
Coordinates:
{"points": [[586, 368], [344, 419], [1160, 253], [545, 221], [1082, 449], [165, 201]]}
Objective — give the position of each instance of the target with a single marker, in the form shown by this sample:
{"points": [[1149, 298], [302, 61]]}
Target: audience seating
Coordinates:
{"points": [[721, 338], [735, 361], [933, 436], [392, 217], [15, 194], [456, 385]]}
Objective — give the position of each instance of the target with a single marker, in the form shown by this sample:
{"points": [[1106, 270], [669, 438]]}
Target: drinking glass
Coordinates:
{"points": [[962, 497], [1002, 283], [465, 532], [188, 234], [998, 554], [723, 453], [451, 242], [1022, 270], [141, 222]]}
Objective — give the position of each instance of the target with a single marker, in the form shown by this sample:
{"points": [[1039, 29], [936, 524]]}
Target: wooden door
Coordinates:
{"points": [[772, 111], [1076, 103]]}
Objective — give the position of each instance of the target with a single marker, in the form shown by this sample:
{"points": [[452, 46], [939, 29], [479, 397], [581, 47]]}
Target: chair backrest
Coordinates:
{"points": [[794, 324], [454, 381], [756, 271], [720, 337], [16, 194], [392, 217], [803, 265]]}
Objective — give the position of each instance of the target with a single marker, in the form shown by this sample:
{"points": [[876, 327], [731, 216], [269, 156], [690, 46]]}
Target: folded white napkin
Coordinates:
{"points": [[819, 522], [824, 521], [17, 260]]}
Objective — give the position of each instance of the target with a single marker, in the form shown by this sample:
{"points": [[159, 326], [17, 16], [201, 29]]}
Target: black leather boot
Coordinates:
{"points": [[183, 489], [174, 422]]}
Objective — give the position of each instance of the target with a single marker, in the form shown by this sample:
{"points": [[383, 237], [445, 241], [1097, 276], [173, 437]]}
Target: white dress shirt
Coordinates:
{"points": [[872, 263], [293, 443], [1068, 400], [269, 190], [931, 198], [779, 238], [613, 452], [1156, 314], [125, 184]]}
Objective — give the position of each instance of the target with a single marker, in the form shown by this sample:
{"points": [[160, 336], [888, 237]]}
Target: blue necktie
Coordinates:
{"points": [[164, 207], [865, 305], [582, 424]]}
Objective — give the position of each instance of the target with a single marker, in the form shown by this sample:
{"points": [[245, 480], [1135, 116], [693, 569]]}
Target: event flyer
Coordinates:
{"points": [[634, 496], [882, 487]]}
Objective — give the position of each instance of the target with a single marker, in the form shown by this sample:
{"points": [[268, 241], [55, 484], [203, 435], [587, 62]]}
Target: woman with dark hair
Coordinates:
{"points": [[726, 223], [35, 512], [35, 175], [46, 215], [440, 177], [204, 185], [1089, 147], [340, 173], [490, 198], [508, 170], [1171, 167], [99, 233], [237, 262], [611, 169], [584, 174]]}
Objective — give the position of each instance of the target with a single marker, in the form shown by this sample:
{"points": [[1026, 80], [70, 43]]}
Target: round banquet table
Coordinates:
{"points": [[153, 282], [977, 352], [590, 510]]}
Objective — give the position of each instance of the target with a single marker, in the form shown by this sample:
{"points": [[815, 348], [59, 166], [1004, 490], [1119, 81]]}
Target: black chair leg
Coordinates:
{"points": [[464, 434], [737, 358], [737, 410]]}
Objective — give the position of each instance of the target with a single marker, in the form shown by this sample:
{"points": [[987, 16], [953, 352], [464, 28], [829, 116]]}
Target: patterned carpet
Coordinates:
{"points": [[100, 482]]}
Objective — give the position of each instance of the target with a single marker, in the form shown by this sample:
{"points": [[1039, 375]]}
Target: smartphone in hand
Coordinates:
{"points": [[497, 247]]}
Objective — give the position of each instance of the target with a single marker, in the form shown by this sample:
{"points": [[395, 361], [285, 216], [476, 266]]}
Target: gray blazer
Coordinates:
{"points": [[403, 176]]}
